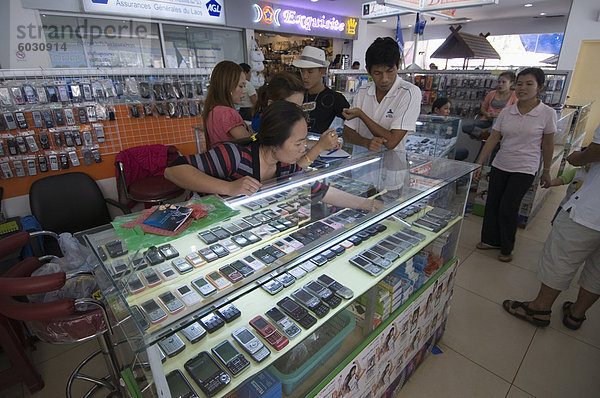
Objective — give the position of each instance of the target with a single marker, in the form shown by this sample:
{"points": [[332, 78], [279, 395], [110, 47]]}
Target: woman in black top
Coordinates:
{"points": [[238, 169]]}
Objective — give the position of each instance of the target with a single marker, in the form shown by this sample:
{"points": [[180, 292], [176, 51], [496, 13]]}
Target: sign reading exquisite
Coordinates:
{"points": [[303, 20]]}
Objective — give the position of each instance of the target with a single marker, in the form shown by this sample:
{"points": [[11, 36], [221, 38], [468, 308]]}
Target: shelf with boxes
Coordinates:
{"points": [[280, 273], [58, 119]]}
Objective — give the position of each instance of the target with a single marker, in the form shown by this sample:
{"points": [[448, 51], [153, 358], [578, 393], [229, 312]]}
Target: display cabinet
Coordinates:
{"points": [[435, 136], [281, 251]]}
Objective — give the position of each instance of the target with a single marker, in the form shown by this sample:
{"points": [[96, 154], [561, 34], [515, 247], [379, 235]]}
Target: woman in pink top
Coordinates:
{"points": [[494, 102], [527, 131], [222, 123]]}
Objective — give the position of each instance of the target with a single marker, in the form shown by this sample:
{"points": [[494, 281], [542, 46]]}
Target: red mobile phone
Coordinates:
{"points": [[269, 332]]}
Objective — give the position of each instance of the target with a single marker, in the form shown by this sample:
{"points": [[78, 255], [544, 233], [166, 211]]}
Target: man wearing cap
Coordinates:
{"points": [[322, 103]]}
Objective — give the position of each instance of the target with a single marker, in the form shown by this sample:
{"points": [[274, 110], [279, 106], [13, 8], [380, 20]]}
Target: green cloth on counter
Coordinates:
{"points": [[136, 238]]}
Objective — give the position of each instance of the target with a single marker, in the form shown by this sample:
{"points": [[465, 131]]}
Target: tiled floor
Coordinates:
{"points": [[486, 352]]}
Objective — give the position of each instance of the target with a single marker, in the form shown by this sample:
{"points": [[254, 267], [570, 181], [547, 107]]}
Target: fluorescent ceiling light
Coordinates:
{"points": [[528, 5], [384, 20], [542, 13]]}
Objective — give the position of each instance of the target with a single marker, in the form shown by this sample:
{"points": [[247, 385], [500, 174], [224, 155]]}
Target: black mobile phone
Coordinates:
{"points": [[235, 361], [205, 371], [179, 386]]}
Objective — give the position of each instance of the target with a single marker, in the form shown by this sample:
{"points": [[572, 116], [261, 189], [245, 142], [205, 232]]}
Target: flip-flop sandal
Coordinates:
{"points": [[569, 320], [485, 246], [529, 316]]}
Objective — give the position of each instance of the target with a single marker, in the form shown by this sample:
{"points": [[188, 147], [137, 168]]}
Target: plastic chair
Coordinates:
{"points": [[139, 171], [55, 322]]}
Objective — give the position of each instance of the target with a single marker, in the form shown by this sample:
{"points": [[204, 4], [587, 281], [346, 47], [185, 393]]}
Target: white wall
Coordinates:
{"points": [[583, 24], [367, 33]]}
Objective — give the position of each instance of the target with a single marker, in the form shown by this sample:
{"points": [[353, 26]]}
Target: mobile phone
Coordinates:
{"points": [[218, 280], [150, 277], [272, 286], [69, 116], [168, 251], [181, 265], [59, 117], [82, 115], [229, 312], [242, 268], [21, 121], [297, 272], [231, 229], [44, 141], [252, 221], [17, 95], [179, 386], [366, 265], [242, 225], [171, 303], [6, 170], [406, 238], [297, 313], [172, 345], [91, 113], [376, 259], [63, 94], [195, 260], [395, 244], [328, 254], [335, 286], [37, 119], [273, 251], [139, 317], [208, 237], [31, 167], [208, 254], [10, 121], [153, 311], [251, 344], [324, 293], [29, 93], [253, 263], [115, 248], [240, 240], [53, 159], [209, 376], [286, 279], [263, 256], [429, 226], [289, 328], [43, 163], [313, 303], [230, 245], [52, 94], [269, 332], [319, 260], [188, 296], [21, 144], [220, 233], [19, 169], [74, 158], [233, 360], [211, 322], [219, 250], [231, 273], [154, 256], [412, 233], [68, 138], [205, 288], [166, 271], [119, 268], [308, 266], [194, 333], [251, 237], [284, 247]]}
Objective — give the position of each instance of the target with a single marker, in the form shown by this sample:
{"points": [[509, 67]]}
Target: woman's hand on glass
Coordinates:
{"points": [[244, 186], [329, 141]]}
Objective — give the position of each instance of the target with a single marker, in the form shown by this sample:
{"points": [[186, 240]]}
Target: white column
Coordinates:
{"points": [[583, 24]]}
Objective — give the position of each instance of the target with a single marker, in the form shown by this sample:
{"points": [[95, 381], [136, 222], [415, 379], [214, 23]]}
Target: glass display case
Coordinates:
{"points": [[334, 257], [434, 136]]}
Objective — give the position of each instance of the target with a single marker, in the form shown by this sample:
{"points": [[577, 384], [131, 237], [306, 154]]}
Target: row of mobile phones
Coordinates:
{"points": [[269, 200], [54, 117], [380, 256], [52, 161]]}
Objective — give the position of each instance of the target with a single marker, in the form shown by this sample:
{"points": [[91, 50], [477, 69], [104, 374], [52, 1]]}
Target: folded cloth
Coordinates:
{"points": [[198, 211]]}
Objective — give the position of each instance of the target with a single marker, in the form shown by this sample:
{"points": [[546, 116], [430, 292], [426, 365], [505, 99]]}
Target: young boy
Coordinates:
{"points": [[321, 103]]}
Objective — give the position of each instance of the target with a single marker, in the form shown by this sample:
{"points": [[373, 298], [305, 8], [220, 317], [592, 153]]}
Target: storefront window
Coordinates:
{"points": [[92, 42], [193, 47]]}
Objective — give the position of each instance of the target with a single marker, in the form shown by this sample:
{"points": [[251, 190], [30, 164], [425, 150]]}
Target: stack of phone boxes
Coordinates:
{"points": [[263, 385], [383, 304], [398, 286]]}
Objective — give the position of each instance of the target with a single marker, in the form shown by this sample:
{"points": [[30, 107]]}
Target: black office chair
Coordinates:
{"points": [[69, 202]]}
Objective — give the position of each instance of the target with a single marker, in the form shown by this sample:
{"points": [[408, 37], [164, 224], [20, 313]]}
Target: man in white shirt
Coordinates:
{"points": [[250, 98], [573, 240], [383, 111]]}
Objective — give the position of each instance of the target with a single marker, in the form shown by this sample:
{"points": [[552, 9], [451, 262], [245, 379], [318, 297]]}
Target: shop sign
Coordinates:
{"points": [[303, 21], [435, 5], [197, 11]]}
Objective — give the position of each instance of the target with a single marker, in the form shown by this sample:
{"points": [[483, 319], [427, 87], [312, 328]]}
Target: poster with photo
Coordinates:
{"points": [[394, 354]]}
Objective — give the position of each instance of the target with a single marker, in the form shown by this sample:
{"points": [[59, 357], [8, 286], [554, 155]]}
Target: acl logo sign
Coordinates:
{"points": [[214, 8]]}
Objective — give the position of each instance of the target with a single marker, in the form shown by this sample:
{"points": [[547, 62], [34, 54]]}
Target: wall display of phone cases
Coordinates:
{"points": [[465, 89], [240, 296]]}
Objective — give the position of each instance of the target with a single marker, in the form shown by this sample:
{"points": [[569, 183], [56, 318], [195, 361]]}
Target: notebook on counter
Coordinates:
{"points": [[169, 217], [337, 154]]}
